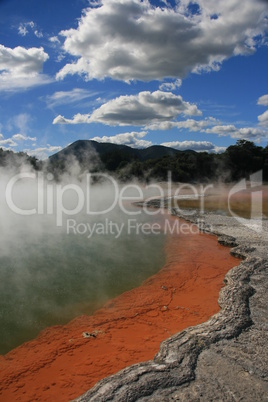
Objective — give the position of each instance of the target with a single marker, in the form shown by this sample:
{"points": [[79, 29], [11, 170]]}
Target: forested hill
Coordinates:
{"points": [[106, 150], [123, 162], [238, 161]]}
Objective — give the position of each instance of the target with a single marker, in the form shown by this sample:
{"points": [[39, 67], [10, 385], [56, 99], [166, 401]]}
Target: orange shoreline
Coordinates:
{"points": [[62, 362]]}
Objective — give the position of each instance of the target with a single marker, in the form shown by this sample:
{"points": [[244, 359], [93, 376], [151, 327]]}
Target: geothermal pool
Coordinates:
{"points": [[127, 330], [48, 277], [245, 203]]}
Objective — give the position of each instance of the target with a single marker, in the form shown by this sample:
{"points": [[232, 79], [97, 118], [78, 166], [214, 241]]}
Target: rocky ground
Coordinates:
{"points": [[224, 359]]}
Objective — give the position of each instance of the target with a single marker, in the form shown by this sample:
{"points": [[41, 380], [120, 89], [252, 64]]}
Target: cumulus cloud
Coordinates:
{"points": [[199, 146], [21, 68], [263, 100], [235, 132], [21, 137], [171, 86], [54, 39], [189, 124], [133, 39], [62, 120], [7, 143], [133, 139], [137, 110], [68, 97], [263, 119], [143, 108]]}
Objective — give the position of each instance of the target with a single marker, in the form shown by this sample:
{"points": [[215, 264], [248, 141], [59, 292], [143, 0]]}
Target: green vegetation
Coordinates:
{"points": [[125, 163], [245, 158], [238, 161], [16, 160]]}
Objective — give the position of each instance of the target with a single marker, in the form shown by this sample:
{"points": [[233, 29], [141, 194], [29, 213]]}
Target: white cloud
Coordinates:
{"points": [[21, 68], [214, 126], [137, 110], [62, 120], [199, 146], [263, 100], [8, 142], [61, 56], [54, 39], [43, 152], [95, 3], [133, 39], [133, 139], [189, 124], [263, 119], [20, 137], [38, 34], [22, 30], [24, 27], [218, 150], [241, 133], [56, 44], [68, 97], [171, 86]]}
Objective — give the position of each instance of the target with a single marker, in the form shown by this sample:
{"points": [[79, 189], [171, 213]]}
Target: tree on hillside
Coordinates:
{"points": [[244, 158]]}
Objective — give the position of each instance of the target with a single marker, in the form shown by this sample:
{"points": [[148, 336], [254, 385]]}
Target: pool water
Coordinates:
{"points": [[48, 277]]}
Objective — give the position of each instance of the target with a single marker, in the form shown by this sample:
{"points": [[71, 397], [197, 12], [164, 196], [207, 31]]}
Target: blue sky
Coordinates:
{"points": [[178, 73]]}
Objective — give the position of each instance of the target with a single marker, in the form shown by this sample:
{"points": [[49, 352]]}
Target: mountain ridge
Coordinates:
{"points": [[143, 154]]}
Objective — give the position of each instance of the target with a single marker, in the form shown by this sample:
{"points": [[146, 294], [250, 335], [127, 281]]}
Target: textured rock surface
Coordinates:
{"points": [[224, 359]]}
